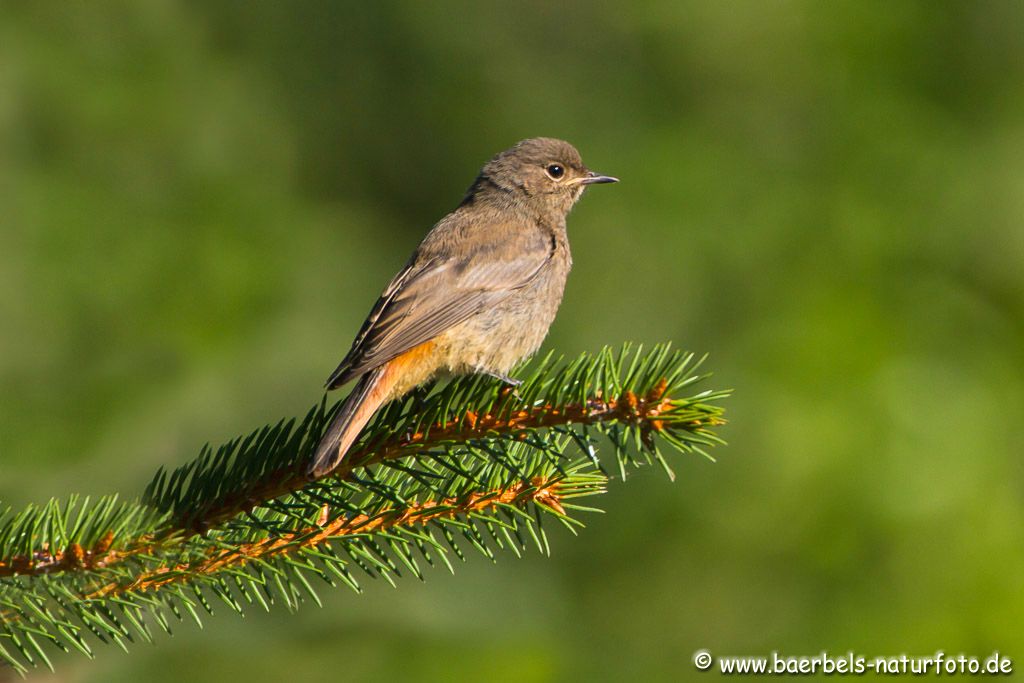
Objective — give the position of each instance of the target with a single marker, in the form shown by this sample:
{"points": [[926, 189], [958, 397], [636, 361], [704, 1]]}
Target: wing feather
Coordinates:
{"points": [[437, 291]]}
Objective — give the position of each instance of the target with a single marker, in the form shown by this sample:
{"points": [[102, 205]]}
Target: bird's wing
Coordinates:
{"points": [[436, 291]]}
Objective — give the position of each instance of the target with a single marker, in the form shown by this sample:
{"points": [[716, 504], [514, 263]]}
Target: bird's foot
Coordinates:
{"points": [[513, 383], [507, 380]]}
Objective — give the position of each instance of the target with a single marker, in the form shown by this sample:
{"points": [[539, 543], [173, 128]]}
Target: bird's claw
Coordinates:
{"points": [[511, 382]]}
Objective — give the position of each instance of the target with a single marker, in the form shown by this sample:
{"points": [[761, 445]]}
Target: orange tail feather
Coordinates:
{"points": [[359, 407], [375, 388]]}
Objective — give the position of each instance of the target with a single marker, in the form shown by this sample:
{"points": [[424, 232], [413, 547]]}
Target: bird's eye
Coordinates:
{"points": [[555, 171]]}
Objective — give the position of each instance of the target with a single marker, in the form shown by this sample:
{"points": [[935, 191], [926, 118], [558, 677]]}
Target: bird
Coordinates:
{"points": [[478, 294]]}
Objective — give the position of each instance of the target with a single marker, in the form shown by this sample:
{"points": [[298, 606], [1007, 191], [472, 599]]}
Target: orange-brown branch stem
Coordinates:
{"points": [[75, 557], [540, 491]]}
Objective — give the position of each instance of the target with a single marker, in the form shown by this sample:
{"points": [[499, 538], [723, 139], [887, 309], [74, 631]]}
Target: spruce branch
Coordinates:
{"points": [[466, 465]]}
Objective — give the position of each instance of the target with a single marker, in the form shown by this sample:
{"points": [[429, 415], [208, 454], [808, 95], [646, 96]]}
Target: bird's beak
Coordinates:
{"points": [[595, 178]]}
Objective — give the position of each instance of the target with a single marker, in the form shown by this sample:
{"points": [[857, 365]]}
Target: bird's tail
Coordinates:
{"points": [[353, 415]]}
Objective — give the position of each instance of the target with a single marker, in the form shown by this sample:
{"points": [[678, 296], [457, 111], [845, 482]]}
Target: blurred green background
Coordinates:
{"points": [[201, 200]]}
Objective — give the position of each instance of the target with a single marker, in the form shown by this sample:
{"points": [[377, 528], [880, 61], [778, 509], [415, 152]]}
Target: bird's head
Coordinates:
{"points": [[545, 174]]}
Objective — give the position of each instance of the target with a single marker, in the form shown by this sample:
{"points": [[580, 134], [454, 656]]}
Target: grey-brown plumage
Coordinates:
{"points": [[478, 294]]}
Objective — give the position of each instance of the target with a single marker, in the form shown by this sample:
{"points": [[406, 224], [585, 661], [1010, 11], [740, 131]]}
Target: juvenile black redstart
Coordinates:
{"points": [[478, 294]]}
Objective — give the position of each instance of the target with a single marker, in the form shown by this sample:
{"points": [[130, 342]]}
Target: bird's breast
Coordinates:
{"points": [[513, 329]]}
